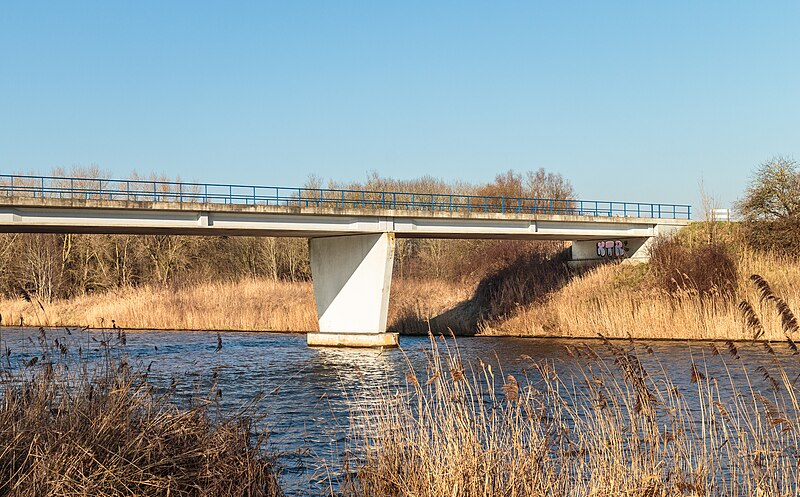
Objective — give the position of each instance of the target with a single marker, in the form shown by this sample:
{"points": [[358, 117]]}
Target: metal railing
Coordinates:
{"points": [[171, 191]]}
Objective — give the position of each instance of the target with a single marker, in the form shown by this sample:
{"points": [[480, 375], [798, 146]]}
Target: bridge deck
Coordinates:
{"points": [[57, 204], [53, 215]]}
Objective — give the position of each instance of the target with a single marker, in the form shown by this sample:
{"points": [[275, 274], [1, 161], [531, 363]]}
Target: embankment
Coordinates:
{"points": [[536, 297]]}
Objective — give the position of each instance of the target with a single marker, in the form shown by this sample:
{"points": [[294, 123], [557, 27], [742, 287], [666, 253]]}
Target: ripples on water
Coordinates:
{"points": [[306, 393]]}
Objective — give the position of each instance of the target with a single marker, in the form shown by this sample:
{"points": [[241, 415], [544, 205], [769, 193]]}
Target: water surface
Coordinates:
{"points": [[306, 393]]}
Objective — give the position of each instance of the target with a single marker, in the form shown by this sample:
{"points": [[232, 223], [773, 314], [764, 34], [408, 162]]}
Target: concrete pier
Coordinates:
{"points": [[352, 276]]}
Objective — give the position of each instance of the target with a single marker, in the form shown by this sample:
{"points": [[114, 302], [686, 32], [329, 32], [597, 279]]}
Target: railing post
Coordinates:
{"points": [[624, 209], [205, 194], [42, 187], [155, 193], [394, 200]]}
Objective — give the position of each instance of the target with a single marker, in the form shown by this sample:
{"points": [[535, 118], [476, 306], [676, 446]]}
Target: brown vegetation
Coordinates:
{"points": [[610, 430], [708, 270], [771, 207], [619, 300], [248, 304], [74, 426]]}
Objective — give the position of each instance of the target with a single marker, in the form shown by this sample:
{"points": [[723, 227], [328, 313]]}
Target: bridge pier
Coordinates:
{"points": [[352, 275]]}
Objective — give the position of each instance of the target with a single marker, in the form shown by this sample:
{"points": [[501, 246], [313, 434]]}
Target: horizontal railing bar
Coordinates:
{"points": [[158, 190]]}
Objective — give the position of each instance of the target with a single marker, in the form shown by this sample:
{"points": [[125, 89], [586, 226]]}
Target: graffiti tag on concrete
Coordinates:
{"points": [[611, 248]]}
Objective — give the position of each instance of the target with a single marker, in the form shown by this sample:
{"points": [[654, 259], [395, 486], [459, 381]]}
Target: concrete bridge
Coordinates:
{"points": [[351, 233]]}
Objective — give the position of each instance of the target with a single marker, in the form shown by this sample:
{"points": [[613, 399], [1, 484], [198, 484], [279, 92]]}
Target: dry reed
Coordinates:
{"points": [[248, 304], [615, 429], [620, 301], [74, 425]]}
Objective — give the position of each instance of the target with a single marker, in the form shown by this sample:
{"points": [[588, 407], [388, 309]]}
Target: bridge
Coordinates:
{"points": [[351, 232]]}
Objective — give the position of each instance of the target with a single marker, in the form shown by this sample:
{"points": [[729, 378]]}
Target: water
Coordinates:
{"points": [[307, 393]]}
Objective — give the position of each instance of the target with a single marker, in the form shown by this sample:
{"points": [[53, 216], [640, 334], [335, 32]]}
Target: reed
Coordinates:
{"points": [[247, 304], [622, 301], [74, 424], [614, 428]]}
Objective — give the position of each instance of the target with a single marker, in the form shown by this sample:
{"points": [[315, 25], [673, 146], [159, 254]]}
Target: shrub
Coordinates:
{"points": [[771, 207], [708, 270]]}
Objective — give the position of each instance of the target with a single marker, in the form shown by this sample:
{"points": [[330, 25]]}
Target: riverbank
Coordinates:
{"points": [[621, 301], [251, 304], [613, 300]]}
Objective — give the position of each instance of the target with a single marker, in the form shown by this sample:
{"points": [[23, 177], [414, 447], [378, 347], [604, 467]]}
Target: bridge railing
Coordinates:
{"points": [[181, 192]]}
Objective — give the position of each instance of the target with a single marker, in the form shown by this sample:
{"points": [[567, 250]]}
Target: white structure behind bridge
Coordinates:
{"points": [[351, 246]]}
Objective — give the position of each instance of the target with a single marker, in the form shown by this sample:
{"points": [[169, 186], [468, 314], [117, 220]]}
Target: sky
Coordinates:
{"points": [[630, 101]]}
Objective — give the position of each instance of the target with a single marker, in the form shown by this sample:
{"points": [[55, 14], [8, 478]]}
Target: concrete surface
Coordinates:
{"points": [[353, 339], [352, 276]]}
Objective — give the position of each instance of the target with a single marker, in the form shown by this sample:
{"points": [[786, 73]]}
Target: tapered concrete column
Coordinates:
{"points": [[352, 276]]}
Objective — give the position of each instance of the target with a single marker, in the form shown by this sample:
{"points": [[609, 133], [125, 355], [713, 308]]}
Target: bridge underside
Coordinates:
{"points": [[351, 250]]}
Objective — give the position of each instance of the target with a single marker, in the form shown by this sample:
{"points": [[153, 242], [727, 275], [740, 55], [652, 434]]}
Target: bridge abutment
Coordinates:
{"points": [[632, 249], [352, 275]]}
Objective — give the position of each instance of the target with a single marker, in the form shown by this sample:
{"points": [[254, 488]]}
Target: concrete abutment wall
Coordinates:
{"points": [[635, 250]]}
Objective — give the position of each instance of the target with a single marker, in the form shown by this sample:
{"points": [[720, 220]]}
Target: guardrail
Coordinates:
{"points": [[170, 191]]}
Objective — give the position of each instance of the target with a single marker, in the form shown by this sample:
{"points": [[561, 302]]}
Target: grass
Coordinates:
{"points": [[248, 304], [611, 429], [537, 297], [621, 301], [75, 425]]}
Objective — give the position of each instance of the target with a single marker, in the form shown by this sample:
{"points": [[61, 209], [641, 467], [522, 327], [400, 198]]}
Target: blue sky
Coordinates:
{"points": [[630, 101]]}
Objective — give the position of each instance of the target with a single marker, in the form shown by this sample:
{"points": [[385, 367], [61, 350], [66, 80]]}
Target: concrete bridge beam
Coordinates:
{"points": [[352, 276]]}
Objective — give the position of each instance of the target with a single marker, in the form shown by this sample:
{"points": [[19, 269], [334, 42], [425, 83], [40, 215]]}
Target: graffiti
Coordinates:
{"points": [[612, 248]]}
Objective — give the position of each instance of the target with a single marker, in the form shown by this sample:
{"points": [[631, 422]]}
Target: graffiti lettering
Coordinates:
{"points": [[612, 248]]}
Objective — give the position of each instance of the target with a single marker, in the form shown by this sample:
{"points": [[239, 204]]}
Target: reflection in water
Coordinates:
{"points": [[305, 394]]}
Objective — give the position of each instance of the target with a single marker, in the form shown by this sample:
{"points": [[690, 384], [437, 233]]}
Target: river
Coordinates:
{"points": [[307, 392]]}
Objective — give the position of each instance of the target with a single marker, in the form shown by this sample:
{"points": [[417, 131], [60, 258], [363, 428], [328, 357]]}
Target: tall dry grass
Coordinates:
{"points": [[613, 429], [71, 424], [247, 304], [621, 301]]}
